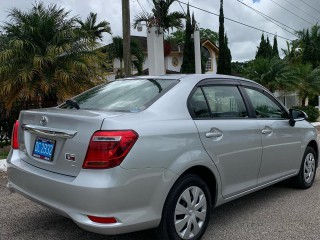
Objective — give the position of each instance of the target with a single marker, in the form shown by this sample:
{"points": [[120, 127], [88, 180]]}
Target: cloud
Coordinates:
{"points": [[243, 41]]}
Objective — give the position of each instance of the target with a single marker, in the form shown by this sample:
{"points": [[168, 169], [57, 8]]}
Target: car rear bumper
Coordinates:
{"points": [[133, 197]]}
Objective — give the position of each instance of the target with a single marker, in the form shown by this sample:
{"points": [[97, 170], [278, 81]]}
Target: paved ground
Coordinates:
{"points": [[277, 212], [3, 165]]}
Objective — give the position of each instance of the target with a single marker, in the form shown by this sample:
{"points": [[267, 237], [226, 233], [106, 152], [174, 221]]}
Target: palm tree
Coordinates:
{"points": [[308, 81], [91, 27], [274, 74], [293, 53], [115, 51], [45, 56], [160, 16]]}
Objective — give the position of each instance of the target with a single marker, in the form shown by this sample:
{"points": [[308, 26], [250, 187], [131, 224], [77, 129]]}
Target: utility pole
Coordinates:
{"points": [[126, 37]]}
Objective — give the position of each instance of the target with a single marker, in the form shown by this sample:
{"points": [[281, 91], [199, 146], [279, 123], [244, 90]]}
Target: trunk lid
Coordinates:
{"points": [[57, 139]]}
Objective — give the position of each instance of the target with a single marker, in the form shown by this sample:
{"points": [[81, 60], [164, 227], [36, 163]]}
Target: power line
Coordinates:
{"points": [[232, 20], [274, 21], [302, 10], [150, 5], [142, 8], [310, 6], [182, 8], [291, 12]]}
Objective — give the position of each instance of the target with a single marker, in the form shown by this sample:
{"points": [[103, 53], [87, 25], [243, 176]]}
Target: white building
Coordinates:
{"points": [[173, 57]]}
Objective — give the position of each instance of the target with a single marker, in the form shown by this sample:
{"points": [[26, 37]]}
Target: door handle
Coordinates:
{"points": [[214, 133], [266, 131]]}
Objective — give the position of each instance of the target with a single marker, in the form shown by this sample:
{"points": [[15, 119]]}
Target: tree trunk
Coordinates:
{"points": [[303, 101]]}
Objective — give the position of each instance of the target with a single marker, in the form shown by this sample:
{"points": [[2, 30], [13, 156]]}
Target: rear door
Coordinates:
{"points": [[281, 142], [229, 135]]}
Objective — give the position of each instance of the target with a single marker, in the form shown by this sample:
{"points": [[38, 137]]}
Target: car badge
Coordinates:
{"points": [[70, 157], [43, 121]]}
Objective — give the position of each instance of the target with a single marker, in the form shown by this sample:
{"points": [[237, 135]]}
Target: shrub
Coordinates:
{"points": [[312, 112]]}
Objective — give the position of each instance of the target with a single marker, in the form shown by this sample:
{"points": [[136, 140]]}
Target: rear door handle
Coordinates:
{"points": [[214, 133], [266, 131]]}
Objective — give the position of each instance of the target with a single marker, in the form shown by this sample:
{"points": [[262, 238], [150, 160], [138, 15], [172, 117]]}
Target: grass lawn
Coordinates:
{"points": [[4, 151], [3, 155]]}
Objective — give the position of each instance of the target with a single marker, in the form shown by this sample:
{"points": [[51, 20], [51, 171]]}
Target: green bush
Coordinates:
{"points": [[312, 112]]}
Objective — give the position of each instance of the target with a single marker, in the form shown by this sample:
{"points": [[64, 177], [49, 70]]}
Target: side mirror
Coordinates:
{"points": [[296, 115]]}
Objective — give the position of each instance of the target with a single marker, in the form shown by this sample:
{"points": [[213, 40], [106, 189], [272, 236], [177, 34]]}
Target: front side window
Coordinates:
{"points": [[132, 95], [218, 102], [264, 106]]}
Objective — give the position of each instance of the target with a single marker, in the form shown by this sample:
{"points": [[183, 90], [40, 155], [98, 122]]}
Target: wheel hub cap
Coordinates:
{"points": [[190, 212], [309, 167]]}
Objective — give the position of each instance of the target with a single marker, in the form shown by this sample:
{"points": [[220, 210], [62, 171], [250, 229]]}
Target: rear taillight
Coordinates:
{"points": [[14, 136], [107, 149]]}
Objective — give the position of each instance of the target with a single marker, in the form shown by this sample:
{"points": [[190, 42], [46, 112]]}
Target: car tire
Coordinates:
{"points": [[186, 211], [307, 173]]}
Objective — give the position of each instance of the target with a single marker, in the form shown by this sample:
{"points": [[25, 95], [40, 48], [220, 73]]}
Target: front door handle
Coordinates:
{"points": [[213, 134]]}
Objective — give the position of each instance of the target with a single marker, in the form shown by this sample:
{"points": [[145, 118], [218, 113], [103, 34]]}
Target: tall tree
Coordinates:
{"points": [[228, 57], [188, 65], [264, 49], [224, 59], [47, 55], [275, 51]]}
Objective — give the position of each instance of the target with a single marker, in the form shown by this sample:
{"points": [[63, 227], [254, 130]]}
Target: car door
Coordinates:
{"points": [[281, 142], [229, 135]]}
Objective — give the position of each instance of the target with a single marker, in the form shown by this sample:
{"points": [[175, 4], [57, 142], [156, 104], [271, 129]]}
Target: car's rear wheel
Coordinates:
{"points": [[187, 210], [307, 172]]}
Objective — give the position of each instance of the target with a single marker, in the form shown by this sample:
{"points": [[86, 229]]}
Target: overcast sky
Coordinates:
{"points": [[243, 41]]}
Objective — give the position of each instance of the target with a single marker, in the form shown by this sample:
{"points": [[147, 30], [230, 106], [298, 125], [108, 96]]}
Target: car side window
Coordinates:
{"points": [[199, 104], [225, 101], [218, 102], [264, 106]]}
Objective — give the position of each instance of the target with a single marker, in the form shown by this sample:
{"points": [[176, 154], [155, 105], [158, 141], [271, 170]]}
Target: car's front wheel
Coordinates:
{"points": [[187, 210], [307, 172]]}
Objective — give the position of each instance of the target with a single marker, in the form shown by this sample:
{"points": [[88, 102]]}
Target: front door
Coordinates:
{"points": [[230, 137], [281, 142]]}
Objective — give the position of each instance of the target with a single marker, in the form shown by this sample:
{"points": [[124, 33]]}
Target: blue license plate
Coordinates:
{"points": [[44, 148]]}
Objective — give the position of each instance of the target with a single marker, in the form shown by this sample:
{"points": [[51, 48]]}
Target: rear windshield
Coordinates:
{"points": [[131, 95]]}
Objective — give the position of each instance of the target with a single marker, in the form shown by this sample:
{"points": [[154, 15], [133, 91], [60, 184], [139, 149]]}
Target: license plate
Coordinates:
{"points": [[44, 148]]}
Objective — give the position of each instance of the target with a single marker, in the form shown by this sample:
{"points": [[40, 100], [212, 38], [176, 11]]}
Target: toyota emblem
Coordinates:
{"points": [[43, 121]]}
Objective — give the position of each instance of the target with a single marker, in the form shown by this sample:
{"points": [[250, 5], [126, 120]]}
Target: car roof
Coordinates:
{"points": [[196, 77]]}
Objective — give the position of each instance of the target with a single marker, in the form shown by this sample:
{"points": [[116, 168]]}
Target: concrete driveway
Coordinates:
{"points": [[277, 212]]}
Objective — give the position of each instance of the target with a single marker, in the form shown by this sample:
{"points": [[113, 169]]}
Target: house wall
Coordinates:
{"points": [[169, 65], [288, 99]]}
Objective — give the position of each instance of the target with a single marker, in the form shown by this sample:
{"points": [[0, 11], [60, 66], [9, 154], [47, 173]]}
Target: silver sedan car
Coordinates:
{"points": [[159, 152]]}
